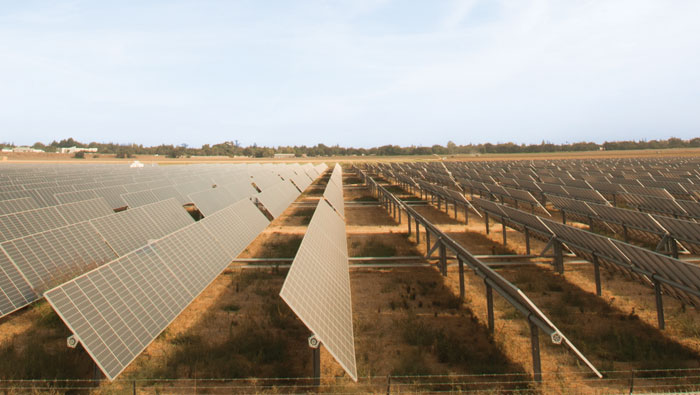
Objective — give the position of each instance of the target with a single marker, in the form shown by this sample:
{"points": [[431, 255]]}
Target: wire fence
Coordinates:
{"points": [[614, 381]]}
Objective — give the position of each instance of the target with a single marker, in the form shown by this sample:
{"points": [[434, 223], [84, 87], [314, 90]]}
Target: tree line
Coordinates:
{"points": [[233, 148]]}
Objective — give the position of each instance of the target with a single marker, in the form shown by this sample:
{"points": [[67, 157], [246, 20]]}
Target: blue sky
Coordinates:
{"points": [[354, 73]]}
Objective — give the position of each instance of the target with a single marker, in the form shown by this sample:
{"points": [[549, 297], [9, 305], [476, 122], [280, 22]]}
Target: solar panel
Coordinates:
{"points": [[236, 226], [16, 205], [168, 215], [675, 270], [212, 200], [167, 192], [302, 181], [112, 195], [680, 229], [240, 189], [655, 204], [317, 287], [84, 210], [647, 191], [25, 223], [128, 230], [334, 191], [571, 205], [75, 196], [117, 310], [52, 257], [264, 179], [15, 291], [277, 198], [140, 198]]}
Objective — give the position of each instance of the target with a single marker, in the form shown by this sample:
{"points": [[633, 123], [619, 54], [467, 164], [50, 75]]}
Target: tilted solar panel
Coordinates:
{"points": [[25, 223], [334, 191], [15, 291], [128, 230], [277, 198], [52, 257], [75, 196], [168, 215], [117, 310], [16, 205], [317, 287], [140, 198], [84, 210]]}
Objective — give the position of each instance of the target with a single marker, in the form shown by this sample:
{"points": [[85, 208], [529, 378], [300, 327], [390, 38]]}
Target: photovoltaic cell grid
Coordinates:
{"points": [[317, 287], [139, 198], [13, 226], [131, 229], [75, 196], [11, 206], [212, 200], [277, 198], [85, 210], [15, 291], [236, 226], [334, 191], [52, 257], [118, 309]]}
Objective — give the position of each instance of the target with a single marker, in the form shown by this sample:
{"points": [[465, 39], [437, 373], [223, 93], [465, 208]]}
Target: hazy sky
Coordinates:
{"points": [[357, 72]]}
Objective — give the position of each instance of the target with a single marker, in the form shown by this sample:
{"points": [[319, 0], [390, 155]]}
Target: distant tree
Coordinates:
{"points": [[79, 155]]}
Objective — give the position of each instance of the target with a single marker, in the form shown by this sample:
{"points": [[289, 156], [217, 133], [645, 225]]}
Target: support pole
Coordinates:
{"points": [[427, 239], [461, 278], [486, 220], [596, 273], [503, 226], [558, 261], [535, 343], [417, 231], [527, 241], [316, 359], [659, 305], [563, 216], [408, 220], [624, 234], [489, 307], [443, 259], [674, 247]]}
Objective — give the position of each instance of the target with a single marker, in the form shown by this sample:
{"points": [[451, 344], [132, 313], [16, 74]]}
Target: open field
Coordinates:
{"points": [[148, 159], [412, 331]]}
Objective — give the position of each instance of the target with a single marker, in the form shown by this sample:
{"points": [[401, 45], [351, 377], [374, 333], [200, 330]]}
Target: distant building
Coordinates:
{"points": [[26, 149], [284, 156], [72, 150], [7, 150]]}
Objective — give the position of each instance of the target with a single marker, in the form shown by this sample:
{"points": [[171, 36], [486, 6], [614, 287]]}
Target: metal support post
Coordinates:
{"points": [[503, 226], [443, 259], [659, 304], [316, 359], [489, 308], [596, 273], [558, 261], [527, 241], [461, 278], [535, 343]]}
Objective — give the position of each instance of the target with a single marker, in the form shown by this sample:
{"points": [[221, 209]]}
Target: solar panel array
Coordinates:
{"points": [[117, 309], [41, 249], [317, 287]]}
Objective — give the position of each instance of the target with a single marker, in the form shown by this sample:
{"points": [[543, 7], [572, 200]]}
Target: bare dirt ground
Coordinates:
{"points": [[408, 321]]}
